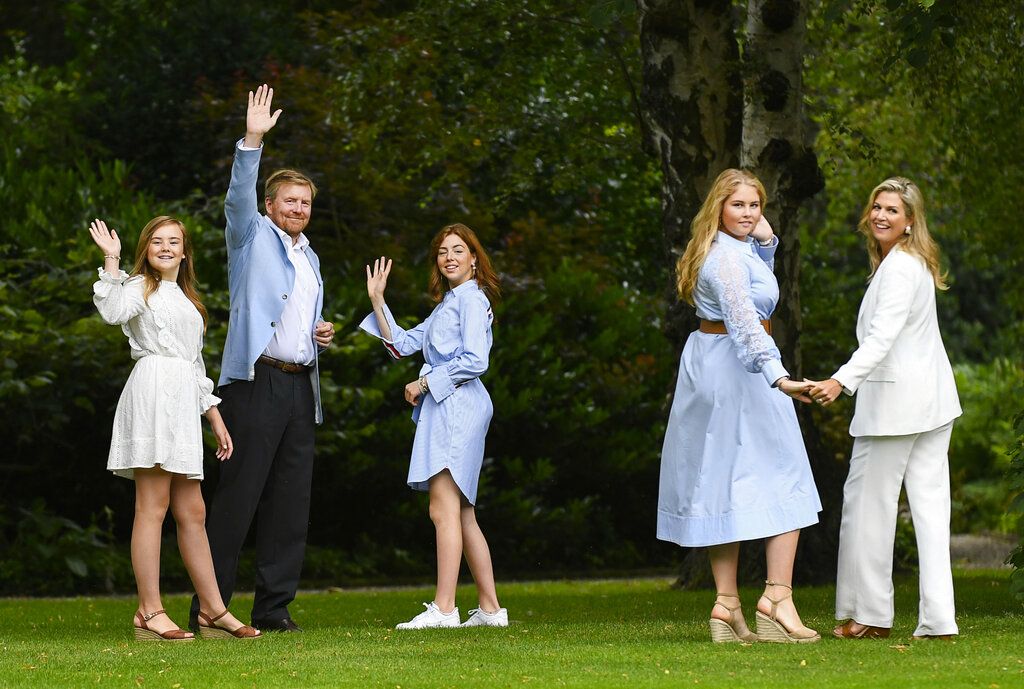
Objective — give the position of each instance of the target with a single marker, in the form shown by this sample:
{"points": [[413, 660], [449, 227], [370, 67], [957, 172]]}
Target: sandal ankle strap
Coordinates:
{"points": [[212, 621], [769, 582], [732, 611], [146, 617]]}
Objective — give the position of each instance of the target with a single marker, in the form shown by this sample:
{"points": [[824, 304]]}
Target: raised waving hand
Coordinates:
{"points": [[258, 120], [377, 280], [376, 283], [108, 241]]}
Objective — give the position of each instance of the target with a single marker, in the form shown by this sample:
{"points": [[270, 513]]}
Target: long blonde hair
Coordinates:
{"points": [[186, 271], [704, 227], [919, 242]]}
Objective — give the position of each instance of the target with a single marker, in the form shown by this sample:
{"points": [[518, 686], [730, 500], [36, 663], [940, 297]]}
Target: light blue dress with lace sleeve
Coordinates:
{"points": [[733, 464]]}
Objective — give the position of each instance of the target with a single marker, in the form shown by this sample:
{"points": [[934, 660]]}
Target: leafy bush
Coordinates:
{"points": [[47, 554], [1016, 454], [978, 454]]}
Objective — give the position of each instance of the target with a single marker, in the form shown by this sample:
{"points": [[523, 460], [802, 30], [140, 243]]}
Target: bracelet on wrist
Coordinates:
{"points": [[116, 258], [767, 243]]}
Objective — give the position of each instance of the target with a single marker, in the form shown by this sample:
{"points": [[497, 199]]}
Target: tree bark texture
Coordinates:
{"points": [[704, 113], [692, 101]]}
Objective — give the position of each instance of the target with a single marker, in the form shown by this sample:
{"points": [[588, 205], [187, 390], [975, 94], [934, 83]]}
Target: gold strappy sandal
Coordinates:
{"points": [[770, 629], [735, 630]]}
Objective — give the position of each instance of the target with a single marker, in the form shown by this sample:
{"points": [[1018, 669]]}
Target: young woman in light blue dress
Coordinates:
{"points": [[733, 466], [451, 409]]}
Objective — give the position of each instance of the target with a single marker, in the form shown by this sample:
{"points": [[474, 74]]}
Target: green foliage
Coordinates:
{"points": [[982, 437], [46, 554], [1016, 476], [950, 125], [520, 119]]}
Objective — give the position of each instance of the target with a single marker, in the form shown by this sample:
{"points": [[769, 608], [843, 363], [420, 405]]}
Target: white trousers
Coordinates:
{"points": [[879, 465]]}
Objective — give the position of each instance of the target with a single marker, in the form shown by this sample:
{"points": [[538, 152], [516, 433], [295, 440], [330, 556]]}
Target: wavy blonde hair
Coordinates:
{"points": [[186, 271], [919, 242], [704, 227]]}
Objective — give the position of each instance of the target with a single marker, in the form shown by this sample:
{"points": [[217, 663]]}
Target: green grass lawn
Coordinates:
{"points": [[572, 633]]}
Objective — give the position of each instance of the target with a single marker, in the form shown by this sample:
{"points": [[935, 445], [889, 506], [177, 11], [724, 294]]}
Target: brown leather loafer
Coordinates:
{"points": [[846, 631]]}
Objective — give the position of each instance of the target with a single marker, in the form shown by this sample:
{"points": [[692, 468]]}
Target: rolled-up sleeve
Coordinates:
{"points": [[403, 342]]}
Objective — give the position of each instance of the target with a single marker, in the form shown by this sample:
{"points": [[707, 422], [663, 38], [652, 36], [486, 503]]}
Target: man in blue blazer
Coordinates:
{"points": [[269, 380]]}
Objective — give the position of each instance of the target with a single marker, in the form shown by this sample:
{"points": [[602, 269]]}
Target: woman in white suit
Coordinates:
{"points": [[906, 404]]}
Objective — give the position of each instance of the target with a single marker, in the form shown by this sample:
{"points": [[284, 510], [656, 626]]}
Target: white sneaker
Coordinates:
{"points": [[482, 618], [430, 618]]}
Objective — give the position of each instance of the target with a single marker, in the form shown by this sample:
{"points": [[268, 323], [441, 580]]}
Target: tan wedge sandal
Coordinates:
{"points": [[208, 628], [144, 633], [770, 629], [735, 631]]}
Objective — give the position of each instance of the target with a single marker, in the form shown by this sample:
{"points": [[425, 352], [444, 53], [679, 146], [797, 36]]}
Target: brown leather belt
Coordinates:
{"points": [[286, 366], [718, 327]]}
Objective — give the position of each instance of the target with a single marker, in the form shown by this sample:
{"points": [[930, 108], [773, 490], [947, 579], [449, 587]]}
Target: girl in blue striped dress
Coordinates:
{"points": [[451, 409]]}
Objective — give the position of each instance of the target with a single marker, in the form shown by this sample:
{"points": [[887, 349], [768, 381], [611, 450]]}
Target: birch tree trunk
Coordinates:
{"points": [[692, 104], [778, 140], [704, 114], [778, 144]]}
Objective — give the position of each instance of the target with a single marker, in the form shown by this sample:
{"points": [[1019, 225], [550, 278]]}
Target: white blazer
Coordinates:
{"points": [[900, 371]]}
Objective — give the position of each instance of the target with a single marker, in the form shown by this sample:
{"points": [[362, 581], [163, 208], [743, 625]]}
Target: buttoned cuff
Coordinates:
{"points": [[369, 325], [242, 147], [773, 370], [441, 384]]}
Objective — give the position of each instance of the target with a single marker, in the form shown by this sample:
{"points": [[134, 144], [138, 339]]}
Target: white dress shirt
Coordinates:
{"points": [[293, 335]]}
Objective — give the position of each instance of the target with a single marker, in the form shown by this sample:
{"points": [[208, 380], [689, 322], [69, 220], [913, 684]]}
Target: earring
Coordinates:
{"points": [[906, 230]]}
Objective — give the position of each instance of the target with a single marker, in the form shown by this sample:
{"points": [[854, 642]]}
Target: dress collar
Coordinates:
{"points": [[467, 286], [745, 245]]}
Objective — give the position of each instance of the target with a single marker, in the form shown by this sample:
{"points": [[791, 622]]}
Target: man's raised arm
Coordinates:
{"points": [[241, 205]]}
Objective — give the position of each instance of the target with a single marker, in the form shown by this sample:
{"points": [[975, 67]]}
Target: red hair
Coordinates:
{"points": [[485, 276]]}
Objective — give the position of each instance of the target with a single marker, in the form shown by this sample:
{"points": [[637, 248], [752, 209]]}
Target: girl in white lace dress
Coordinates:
{"points": [[157, 439]]}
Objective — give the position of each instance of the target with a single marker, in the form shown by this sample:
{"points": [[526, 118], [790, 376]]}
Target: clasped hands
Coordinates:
{"points": [[823, 392]]}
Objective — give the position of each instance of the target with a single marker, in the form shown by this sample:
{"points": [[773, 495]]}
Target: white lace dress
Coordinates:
{"points": [[157, 422]]}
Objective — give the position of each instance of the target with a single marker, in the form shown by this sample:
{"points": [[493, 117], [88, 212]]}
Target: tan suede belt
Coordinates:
{"points": [[718, 327]]}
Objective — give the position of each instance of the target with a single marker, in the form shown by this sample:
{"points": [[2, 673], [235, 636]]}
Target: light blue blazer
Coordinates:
{"points": [[260, 277]]}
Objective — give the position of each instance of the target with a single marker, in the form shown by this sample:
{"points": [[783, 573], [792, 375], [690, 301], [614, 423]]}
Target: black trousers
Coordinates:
{"points": [[272, 425]]}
